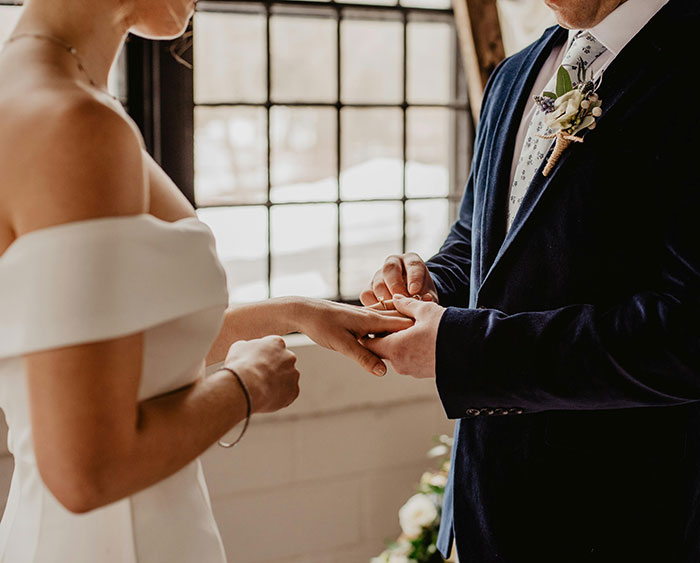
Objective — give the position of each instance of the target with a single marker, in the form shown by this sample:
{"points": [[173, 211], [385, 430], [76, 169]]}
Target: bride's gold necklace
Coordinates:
{"points": [[67, 47]]}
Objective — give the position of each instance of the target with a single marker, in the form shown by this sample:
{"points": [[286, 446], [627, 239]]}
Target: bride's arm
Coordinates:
{"points": [[94, 441], [333, 325]]}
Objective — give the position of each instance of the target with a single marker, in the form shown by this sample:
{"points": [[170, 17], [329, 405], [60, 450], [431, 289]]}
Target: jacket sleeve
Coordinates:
{"points": [[643, 350], [450, 267]]}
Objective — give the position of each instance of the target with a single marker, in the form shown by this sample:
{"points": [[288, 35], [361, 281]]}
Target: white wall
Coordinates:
{"points": [[323, 480]]}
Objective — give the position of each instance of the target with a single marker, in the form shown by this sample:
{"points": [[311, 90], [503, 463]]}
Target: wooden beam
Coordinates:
{"points": [[481, 43]]}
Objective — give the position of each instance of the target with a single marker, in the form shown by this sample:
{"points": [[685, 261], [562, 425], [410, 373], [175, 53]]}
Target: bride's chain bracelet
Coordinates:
{"points": [[249, 409]]}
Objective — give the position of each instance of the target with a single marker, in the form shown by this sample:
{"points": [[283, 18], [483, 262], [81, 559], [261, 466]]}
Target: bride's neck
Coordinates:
{"points": [[96, 30]]}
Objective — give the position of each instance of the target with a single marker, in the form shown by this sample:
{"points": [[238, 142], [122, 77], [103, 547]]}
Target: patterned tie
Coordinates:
{"points": [[584, 48]]}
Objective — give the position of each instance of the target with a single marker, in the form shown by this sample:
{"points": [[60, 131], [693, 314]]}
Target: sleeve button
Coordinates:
{"points": [[500, 412], [515, 411], [473, 412], [487, 411]]}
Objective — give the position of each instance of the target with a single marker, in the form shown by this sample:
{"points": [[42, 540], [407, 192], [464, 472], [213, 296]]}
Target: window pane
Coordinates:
{"points": [[431, 65], [230, 155], [116, 82], [427, 224], [304, 246], [241, 242], [369, 232], [303, 59], [230, 61], [304, 159], [372, 61], [372, 165], [8, 18], [429, 138], [437, 4]]}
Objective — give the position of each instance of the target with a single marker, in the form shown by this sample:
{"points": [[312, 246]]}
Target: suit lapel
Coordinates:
{"points": [[624, 71], [500, 153]]}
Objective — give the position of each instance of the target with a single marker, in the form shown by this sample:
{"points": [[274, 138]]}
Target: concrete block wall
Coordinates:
{"points": [[322, 481]]}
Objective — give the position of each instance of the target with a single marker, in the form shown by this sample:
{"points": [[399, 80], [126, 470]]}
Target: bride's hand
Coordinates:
{"points": [[339, 327]]}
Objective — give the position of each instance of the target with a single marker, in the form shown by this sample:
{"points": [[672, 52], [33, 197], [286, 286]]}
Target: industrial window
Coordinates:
{"points": [[327, 136]]}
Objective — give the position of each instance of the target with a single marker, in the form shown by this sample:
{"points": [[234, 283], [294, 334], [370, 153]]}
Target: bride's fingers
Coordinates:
{"points": [[385, 323], [388, 304], [383, 305], [390, 313]]}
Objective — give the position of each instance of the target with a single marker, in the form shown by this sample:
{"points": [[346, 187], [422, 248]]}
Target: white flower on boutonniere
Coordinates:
{"points": [[418, 512], [573, 108]]}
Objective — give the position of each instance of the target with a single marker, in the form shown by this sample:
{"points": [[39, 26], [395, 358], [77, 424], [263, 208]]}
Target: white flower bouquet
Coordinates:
{"points": [[420, 516]]}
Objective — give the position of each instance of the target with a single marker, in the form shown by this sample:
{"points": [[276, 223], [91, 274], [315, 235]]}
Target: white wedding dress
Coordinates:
{"points": [[95, 280]]}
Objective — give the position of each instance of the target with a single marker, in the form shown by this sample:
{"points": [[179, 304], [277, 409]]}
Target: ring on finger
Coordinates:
{"points": [[418, 297]]}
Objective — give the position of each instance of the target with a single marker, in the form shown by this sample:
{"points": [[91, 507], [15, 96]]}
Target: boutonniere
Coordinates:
{"points": [[573, 108]]}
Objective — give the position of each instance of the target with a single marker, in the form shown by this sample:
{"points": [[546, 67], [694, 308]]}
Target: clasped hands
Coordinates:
{"points": [[390, 327], [411, 351]]}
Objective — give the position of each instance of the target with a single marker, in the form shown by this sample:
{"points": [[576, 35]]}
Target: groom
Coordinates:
{"points": [[561, 317]]}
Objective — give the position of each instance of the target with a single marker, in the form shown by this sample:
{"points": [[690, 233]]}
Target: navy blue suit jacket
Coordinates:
{"points": [[570, 349]]}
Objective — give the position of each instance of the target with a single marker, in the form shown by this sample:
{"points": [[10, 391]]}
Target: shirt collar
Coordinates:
{"points": [[623, 23]]}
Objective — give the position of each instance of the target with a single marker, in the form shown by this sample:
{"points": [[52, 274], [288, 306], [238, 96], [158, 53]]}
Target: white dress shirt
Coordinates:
{"points": [[615, 31]]}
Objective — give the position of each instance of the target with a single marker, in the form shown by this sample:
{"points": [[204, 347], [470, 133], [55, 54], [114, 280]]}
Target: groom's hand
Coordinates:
{"points": [[411, 351], [402, 274]]}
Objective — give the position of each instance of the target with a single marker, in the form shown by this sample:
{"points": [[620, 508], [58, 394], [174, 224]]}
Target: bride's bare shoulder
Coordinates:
{"points": [[67, 157]]}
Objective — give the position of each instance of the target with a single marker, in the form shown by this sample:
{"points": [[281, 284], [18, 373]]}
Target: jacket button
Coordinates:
{"points": [[473, 412]]}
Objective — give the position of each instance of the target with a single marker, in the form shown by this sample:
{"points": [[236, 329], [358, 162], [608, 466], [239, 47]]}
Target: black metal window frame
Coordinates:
{"points": [[340, 12]]}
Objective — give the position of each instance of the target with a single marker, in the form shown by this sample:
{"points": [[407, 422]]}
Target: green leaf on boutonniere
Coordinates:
{"points": [[549, 95], [563, 82]]}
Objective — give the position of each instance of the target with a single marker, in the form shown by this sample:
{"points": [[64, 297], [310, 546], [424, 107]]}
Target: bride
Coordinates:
{"points": [[112, 301]]}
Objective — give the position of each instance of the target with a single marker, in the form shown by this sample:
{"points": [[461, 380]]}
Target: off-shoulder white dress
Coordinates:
{"points": [[95, 280]]}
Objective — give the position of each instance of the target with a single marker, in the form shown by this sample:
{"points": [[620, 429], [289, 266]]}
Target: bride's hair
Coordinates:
{"points": [[181, 45]]}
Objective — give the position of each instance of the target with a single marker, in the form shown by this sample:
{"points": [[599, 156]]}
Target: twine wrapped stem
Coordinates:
{"points": [[563, 140]]}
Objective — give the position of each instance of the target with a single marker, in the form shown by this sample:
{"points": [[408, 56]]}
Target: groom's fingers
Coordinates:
{"points": [[415, 272], [406, 306], [365, 357], [368, 298], [380, 289], [379, 346], [393, 273]]}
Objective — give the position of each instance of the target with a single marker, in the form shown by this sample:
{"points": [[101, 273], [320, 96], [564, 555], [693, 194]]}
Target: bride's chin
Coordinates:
{"points": [[165, 27], [172, 31]]}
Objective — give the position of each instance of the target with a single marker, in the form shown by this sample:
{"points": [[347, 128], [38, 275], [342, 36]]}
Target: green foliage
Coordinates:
{"points": [[424, 547], [549, 95], [563, 82]]}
